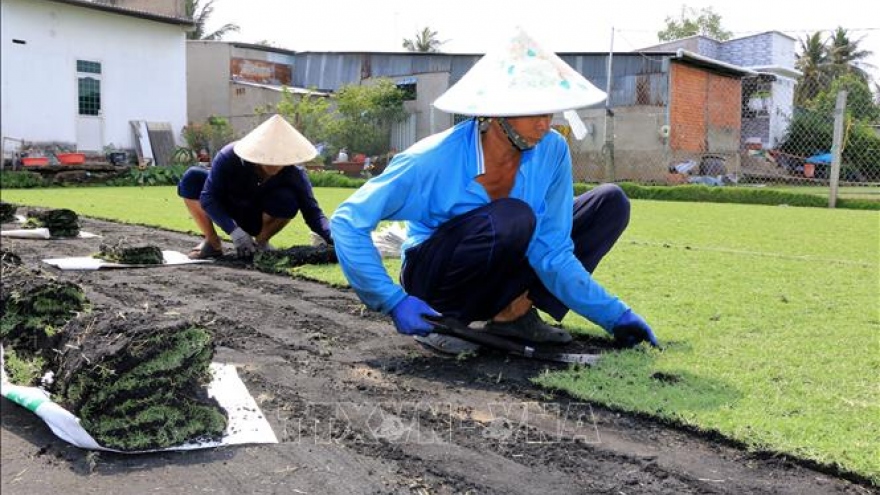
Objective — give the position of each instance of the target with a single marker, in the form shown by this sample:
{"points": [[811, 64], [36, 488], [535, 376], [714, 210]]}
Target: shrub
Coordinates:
{"points": [[215, 133], [21, 180], [150, 176], [332, 179], [708, 194]]}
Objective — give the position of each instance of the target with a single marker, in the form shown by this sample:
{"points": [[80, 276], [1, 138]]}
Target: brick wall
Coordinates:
{"points": [[687, 112], [704, 113]]}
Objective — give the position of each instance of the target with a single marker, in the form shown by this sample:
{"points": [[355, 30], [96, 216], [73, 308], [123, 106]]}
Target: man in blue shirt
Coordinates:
{"points": [[252, 191], [493, 229]]}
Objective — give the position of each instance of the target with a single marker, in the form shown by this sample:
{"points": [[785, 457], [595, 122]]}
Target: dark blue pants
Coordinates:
{"points": [[279, 202], [474, 265]]}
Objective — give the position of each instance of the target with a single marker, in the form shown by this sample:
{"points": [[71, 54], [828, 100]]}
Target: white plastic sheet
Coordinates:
{"points": [[171, 258], [246, 425], [40, 233]]}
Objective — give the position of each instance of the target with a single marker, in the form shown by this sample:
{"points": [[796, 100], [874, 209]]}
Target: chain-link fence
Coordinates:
{"points": [[718, 129]]}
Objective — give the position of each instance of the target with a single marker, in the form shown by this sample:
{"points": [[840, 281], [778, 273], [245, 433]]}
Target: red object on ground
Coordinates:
{"points": [[71, 158], [34, 161]]}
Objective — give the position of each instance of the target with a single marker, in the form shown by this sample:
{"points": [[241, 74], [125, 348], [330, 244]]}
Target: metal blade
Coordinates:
{"points": [[560, 357]]}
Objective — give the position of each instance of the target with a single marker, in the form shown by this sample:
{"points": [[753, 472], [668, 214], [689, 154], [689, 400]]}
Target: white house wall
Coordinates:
{"points": [[143, 75]]}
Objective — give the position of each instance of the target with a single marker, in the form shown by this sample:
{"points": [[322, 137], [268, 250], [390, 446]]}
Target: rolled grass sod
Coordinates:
{"points": [[131, 253], [7, 212], [137, 381], [61, 222], [35, 306]]}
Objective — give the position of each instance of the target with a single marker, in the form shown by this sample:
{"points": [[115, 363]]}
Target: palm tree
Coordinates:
{"points": [[846, 56], [814, 63], [425, 41], [200, 14]]}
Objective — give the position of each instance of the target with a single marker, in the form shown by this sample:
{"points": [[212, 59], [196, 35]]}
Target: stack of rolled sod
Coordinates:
{"points": [[138, 381], [61, 222], [7, 212], [35, 306], [129, 253], [9, 258]]}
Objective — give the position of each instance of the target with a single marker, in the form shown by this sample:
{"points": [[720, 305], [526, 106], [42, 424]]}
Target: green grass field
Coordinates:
{"points": [[769, 315]]}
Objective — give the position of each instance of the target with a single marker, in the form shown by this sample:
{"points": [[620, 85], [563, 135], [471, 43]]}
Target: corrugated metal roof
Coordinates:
{"points": [[281, 88], [150, 16]]}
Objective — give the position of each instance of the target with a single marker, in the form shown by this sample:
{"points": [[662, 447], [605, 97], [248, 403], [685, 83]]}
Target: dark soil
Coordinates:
{"points": [[359, 408]]}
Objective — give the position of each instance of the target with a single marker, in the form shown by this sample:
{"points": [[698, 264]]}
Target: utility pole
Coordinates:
{"points": [[608, 148]]}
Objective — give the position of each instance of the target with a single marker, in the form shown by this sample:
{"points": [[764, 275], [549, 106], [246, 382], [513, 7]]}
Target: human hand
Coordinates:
{"points": [[319, 240], [264, 247], [631, 330], [244, 243], [407, 316]]}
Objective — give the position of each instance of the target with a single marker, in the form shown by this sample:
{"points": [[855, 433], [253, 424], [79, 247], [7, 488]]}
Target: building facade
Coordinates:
{"points": [[77, 73]]}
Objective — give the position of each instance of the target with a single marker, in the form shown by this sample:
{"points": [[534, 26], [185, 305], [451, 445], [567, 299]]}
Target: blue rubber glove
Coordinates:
{"points": [[631, 330], [407, 316]]}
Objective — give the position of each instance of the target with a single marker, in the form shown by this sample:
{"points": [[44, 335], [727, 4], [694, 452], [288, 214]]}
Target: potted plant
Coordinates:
{"points": [[759, 101]]}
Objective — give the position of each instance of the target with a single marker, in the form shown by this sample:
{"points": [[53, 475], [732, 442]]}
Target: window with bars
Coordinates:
{"points": [[89, 87], [88, 67]]}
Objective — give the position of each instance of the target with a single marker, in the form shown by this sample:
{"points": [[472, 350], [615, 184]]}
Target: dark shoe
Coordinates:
{"points": [[204, 251], [447, 344], [529, 327]]}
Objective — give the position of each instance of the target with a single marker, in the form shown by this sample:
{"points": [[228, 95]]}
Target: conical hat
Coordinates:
{"points": [[519, 78], [275, 142]]}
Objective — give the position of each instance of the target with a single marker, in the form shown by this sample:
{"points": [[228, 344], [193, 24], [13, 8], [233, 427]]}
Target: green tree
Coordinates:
{"points": [[859, 99], [845, 55], [199, 13], [425, 41], [309, 113], [812, 128], [815, 65], [692, 22], [364, 115]]}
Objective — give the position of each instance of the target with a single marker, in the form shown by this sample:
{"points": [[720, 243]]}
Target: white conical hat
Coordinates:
{"points": [[275, 142], [519, 78]]}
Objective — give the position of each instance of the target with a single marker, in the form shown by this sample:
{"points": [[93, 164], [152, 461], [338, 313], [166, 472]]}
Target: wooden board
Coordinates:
{"points": [[142, 142], [162, 141]]}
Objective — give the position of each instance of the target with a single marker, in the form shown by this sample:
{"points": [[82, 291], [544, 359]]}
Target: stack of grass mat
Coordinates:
{"points": [[7, 212], [61, 222], [136, 381], [282, 260], [129, 252], [35, 305]]}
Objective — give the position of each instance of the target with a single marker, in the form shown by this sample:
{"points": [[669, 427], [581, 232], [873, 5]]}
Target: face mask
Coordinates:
{"points": [[515, 139]]}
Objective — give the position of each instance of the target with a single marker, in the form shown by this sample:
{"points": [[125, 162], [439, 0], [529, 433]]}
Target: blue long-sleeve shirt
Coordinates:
{"points": [[234, 183], [434, 181]]}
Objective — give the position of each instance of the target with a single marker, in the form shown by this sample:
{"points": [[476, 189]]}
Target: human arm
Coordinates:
{"points": [[551, 252], [308, 205], [392, 195]]}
